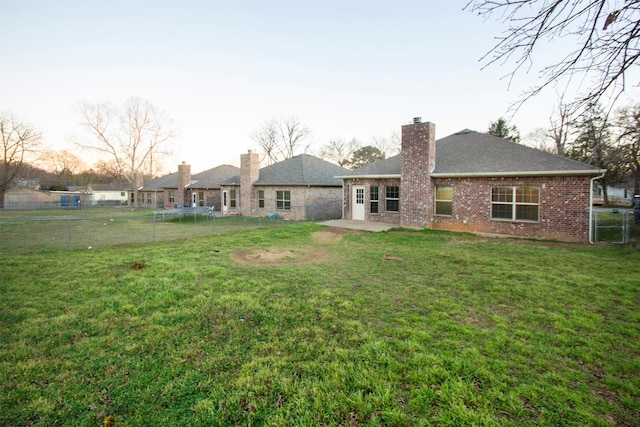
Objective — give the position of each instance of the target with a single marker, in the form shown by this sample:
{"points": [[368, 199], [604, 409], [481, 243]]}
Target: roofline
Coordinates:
{"points": [[513, 174], [290, 184], [387, 176]]}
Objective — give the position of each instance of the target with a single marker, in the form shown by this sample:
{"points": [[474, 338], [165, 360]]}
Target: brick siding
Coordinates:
{"points": [[564, 208]]}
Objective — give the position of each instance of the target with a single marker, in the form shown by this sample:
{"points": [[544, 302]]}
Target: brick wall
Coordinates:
{"points": [[418, 160], [382, 215], [249, 173], [564, 208], [184, 179]]}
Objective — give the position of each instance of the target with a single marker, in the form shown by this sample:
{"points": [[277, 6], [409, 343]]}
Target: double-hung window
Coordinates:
{"points": [[232, 199], [444, 201], [172, 196], [373, 199], [513, 203], [392, 197], [283, 200], [261, 198]]}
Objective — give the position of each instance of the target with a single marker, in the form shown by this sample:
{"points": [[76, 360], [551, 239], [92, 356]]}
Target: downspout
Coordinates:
{"points": [[591, 206], [342, 199]]}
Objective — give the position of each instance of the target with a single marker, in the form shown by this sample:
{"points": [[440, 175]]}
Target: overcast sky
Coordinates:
{"points": [[221, 69]]}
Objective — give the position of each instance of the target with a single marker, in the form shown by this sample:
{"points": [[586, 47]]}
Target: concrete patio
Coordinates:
{"points": [[358, 225]]}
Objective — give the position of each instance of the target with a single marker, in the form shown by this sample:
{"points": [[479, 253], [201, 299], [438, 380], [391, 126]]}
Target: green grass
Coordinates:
{"points": [[35, 231], [386, 329]]}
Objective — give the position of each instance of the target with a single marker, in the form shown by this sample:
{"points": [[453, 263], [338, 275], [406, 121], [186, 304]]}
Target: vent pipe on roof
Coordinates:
{"points": [[417, 120]]}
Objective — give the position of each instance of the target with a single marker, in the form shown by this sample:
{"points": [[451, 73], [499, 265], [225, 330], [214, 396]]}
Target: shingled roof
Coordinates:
{"points": [[212, 178], [303, 169], [468, 153], [159, 184]]}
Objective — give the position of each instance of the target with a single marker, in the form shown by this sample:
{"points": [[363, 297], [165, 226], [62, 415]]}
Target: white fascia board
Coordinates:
{"points": [[396, 176], [514, 174]]}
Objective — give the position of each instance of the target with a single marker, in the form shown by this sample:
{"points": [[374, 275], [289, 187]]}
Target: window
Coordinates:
{"points": [[148, 198], [392, 198], [515, 203], [283, 200], [232, 198], [444, 201], [172, 196], [373, 199], [200, 198], [261, 198]]}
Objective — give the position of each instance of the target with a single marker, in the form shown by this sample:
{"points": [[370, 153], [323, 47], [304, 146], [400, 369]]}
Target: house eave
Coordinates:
{"points": [[589, 172], [289, 184], [382, 176]]}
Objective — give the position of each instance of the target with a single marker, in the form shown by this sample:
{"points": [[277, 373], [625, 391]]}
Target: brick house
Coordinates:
{"points": [[303, 187], [183, 189], [473, 182]]}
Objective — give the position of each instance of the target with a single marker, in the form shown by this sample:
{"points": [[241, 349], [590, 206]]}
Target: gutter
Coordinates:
{"points": [[603, 171], [516, 173], [371, 176], [482, 174]]}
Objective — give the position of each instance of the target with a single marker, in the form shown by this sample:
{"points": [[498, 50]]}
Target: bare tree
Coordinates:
{"points": [[629, 139], [19, 140], [131, 137], [606, 36], [561, 127], [63, 163], [282, 139], [389, 146], [594, 145], [539, 139], [339, 151]]}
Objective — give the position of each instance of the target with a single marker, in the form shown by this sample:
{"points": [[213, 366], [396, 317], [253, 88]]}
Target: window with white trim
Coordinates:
{"points": [[232, 199], [444, 201], [513, 203], [392, 196], [261, 198], [283, 200], [373, 199]]}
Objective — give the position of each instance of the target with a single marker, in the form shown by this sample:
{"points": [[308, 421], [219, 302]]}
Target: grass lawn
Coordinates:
{"points": [[36, 231], [303, 325]]}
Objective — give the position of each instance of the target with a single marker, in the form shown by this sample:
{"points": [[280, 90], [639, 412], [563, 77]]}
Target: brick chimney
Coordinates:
{"points": [[249, 173], [418, 161], [184, 179]]}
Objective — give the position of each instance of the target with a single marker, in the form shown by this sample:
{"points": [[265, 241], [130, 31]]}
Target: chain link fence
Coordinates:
{"points": [[36, 230], [614, 225]]}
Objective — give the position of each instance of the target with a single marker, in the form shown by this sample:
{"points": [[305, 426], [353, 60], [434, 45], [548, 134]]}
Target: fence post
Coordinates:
{"points": [[154, 227], [69, 232]]}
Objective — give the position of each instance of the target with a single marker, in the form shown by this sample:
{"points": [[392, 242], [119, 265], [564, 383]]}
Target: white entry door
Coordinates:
{"points": [[194, 199], [225, 198], [357, 201]]}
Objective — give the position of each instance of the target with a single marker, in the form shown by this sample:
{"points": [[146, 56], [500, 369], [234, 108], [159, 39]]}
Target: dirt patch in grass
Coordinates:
{"points": [[280, 256], [329, 236]]}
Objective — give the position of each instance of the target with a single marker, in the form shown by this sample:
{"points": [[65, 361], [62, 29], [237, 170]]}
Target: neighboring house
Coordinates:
{"points": [[474, 182], [182, 189], [29, 198], [620, 194], [113, 194], [303, 187]]}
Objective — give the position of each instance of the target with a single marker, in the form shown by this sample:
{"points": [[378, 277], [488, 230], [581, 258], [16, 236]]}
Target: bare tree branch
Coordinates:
{"points": [[606, 35], [18, 141]]}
